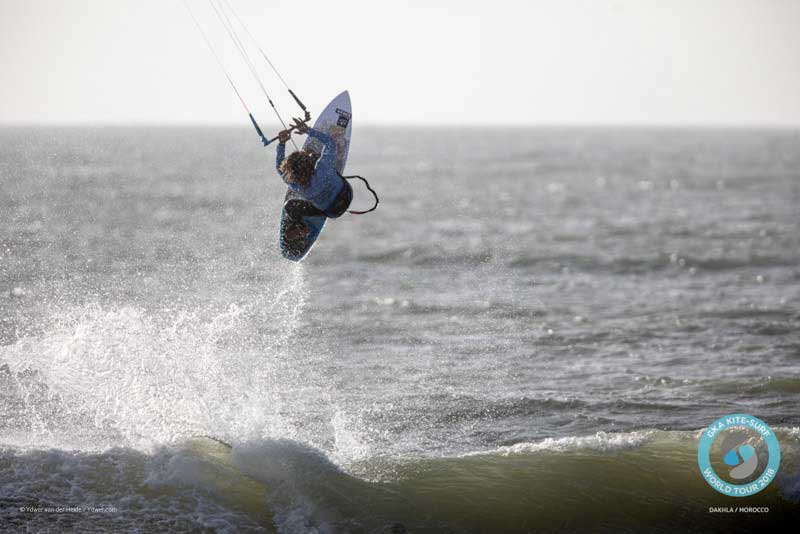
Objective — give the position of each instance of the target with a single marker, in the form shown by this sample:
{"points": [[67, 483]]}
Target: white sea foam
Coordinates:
{"points": [[601, 441], [350, 444]]}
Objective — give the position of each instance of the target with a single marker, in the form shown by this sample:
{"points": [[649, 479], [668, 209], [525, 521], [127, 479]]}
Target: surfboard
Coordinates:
{"points": [[335, 120]]}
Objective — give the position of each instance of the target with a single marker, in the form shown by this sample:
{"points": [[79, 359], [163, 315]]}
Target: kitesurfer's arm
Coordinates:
{"points": [[280, 152]]}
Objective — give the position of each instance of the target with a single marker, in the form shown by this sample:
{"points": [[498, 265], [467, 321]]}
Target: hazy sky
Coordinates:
{"points": [[435, 61]]}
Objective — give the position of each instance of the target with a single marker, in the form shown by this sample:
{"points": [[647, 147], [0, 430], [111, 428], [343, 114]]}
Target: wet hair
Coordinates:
{"points": [[298, 168]]}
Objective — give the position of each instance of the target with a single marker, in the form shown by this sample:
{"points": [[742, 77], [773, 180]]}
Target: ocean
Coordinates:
{"points": [[530, 334]]}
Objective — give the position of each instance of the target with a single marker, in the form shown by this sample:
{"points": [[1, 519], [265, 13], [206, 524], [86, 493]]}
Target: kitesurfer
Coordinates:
{"points": [[314, 178]]}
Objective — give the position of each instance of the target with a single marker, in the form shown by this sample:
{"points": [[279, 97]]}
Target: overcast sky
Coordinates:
{"points": [[409, 61]]}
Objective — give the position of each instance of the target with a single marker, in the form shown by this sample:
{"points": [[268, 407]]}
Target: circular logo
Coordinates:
{"points": [[738, 436]]}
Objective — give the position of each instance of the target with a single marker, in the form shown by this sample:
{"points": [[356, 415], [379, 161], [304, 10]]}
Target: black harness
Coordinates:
{"points": [[374, 194]]}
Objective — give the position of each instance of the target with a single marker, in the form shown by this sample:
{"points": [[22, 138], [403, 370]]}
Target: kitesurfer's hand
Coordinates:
{"points": [[284, 136], [300, 126]]}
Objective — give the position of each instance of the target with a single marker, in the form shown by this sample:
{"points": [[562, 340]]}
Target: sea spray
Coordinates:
{"points": [[103, 375]]}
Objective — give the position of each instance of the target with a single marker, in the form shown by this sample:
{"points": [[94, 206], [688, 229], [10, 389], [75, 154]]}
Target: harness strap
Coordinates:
{"points": [[374, 194]]}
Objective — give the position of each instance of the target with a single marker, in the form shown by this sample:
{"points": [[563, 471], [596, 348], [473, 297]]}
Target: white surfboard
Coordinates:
{"points": [[336, 121]]}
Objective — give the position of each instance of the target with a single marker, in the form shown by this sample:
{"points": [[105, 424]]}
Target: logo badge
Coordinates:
{"points": [[344, 117], [731, 443]]}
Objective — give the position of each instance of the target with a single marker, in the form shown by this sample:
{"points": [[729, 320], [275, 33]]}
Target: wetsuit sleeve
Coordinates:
{"points": [[280, 153], [328, 156]]}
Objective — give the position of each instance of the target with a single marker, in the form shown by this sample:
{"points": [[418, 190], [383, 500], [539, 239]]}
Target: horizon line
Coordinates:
{"points": [[399, 124]]}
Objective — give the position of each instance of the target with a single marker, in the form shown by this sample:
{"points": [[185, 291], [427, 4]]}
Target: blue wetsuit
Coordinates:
{"points": [[325, 184]]}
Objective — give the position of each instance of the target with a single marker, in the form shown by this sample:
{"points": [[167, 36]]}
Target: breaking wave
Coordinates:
{"points": [[627, 482]]}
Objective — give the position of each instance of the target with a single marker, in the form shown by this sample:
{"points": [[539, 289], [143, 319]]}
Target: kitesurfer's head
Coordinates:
{"points": [[298, 168]]}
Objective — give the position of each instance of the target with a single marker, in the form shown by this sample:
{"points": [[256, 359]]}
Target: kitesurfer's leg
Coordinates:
{"points": [[296, 209], [296, 228]]}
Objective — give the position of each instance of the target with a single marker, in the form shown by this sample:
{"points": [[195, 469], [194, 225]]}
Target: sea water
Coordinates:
{"points": [[529, 334]]}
